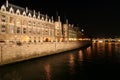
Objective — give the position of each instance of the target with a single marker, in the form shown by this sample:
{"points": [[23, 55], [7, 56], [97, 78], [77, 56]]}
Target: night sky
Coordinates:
{"points": [[98, 18]]}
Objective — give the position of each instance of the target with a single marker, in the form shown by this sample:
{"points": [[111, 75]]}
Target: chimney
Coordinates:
{"points": [[46, 17], [66, 21], [59, 18], [6, 3], [34, 12], [52, 19], [39, 15], [26, 10]]}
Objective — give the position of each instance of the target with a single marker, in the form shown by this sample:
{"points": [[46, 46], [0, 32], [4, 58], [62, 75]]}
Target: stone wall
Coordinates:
{"points": [[13, 53]]}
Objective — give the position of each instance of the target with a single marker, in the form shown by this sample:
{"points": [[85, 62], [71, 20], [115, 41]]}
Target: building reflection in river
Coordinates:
{"points": [[71, 63], [80, 64], [48, 71], [80, 56]]}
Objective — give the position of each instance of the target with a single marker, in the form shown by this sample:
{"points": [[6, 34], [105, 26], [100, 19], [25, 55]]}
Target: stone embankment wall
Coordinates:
{"points": [[13, 53]]}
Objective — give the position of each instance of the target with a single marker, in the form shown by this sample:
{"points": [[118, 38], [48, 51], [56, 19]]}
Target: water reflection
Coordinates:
{"points": [[116, 47], [48, 71], [80, 56], [89, 53], [73, 65], [110, 49]]}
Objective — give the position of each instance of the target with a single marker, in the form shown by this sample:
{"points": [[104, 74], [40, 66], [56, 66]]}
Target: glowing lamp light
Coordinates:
{"points": [[119, 40], [100, 41]]}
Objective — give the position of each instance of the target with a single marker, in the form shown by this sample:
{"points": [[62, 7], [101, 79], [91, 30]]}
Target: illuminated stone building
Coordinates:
{"points": [[72, 33], [21, 25], [65, 31]]}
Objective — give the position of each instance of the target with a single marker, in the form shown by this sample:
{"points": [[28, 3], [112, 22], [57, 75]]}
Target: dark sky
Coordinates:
{"points": [[99, 18]]}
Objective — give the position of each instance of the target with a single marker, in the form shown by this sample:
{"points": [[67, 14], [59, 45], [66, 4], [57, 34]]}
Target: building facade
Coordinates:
{"points": [[21, 25]]}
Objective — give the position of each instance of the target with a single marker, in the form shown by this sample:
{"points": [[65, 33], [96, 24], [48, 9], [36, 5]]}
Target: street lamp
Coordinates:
{"points": [[82, 30]]}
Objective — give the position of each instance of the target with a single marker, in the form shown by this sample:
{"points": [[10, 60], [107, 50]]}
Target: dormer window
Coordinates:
{"points": [[49, 20], [3, 8], [38, 17], [11, 10], [18, 12], [29, 15], [34, 16], [24, 14], [42, 18]]}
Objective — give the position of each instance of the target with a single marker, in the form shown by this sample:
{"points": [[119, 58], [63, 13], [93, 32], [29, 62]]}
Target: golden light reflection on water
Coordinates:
{"points": [[116, 47], [71, 63], [80, 55], [89, 52], [110, 49], [48, 71], [106, 48], [99, 49]]}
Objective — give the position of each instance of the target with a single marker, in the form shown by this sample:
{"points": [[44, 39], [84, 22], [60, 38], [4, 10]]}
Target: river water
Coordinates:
{"points": [[100, 61]]}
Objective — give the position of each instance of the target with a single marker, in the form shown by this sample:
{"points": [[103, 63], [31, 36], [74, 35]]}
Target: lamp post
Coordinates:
{"points": [[82, 30]]}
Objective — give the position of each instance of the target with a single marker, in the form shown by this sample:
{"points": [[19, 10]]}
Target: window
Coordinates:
{"points": [[11, 20], [24, 22], [3, 8], [18, 29], [30, 30], [24, 14], [34, 30], [18, 22], [38, 25], [11, 29], [29, 23], [3, 28], [3, 18], [24, 30], [18, 12], [38, 31], [34, 24], [11, 10]]}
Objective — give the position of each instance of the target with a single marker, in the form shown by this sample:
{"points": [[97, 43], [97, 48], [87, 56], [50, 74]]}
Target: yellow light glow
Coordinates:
{"points": [[100, 41], [119, 40]]}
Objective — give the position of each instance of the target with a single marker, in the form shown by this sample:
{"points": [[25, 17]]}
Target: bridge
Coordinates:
{"points": [[106, 40]]}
